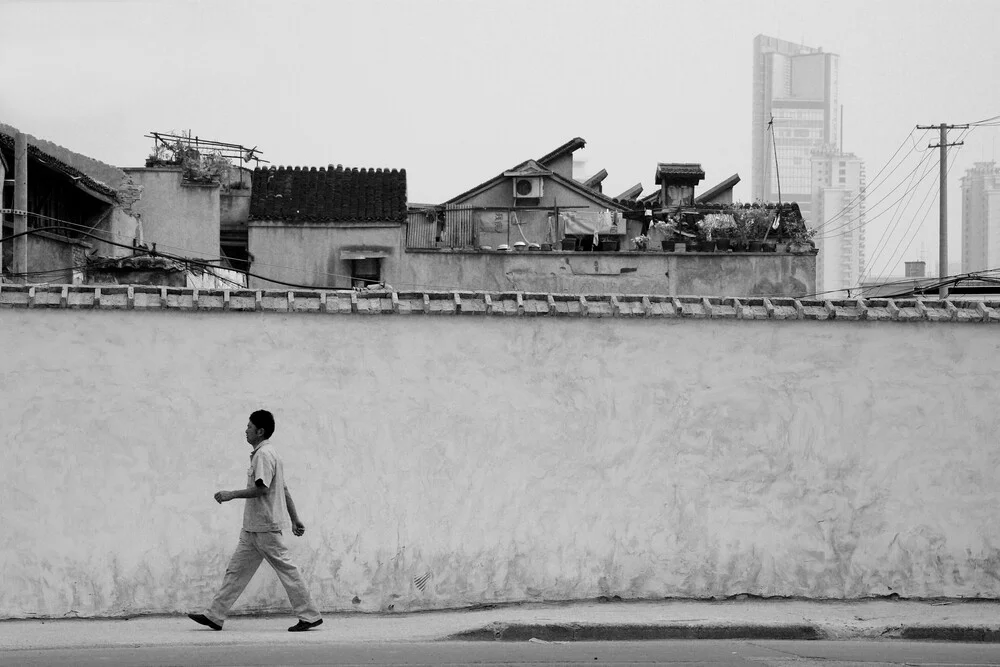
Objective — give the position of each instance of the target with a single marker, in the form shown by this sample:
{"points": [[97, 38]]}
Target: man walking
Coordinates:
{"points": [[267, 501]]}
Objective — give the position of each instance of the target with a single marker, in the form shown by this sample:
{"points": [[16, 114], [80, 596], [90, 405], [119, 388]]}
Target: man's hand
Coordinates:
{"points": [[298, 528], [223, 496]]}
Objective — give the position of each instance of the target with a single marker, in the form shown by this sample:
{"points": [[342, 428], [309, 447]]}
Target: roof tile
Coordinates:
{"points": [[297, 194]]}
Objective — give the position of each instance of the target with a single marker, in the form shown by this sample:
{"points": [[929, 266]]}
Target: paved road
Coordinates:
{"points": [[698, 652]]}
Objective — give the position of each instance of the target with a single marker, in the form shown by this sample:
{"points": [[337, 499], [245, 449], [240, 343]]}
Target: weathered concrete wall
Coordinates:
{"points": [[508, 458], [181, 218], [234, 208], [310, 254], [51, 258], [698, 274]]}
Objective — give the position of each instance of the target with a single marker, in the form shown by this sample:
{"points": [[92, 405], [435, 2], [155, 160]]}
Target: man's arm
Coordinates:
{"points": [[257, 491], [297, 526]]}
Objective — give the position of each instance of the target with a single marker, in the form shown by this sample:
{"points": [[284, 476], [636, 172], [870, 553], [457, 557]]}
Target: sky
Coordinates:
{"points": [[456, 92]]}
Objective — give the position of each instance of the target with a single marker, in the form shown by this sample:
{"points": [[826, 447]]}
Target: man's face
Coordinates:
{"points": [[254, 434]]}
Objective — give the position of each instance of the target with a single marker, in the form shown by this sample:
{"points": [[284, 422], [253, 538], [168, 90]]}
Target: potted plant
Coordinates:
{"points": [[725, 232], [641, 242], [706, 227], [740, 238], [569, 243]]}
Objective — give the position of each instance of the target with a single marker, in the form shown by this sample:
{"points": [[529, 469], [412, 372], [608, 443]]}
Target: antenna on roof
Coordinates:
{"points": [[774, 145]]}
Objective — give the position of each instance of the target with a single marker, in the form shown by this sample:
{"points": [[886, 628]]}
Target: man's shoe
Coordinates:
{"points": [[205, 620], [302, 626]]}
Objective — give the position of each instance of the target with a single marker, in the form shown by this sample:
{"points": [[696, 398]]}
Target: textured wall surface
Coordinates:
{"points": [[697, 274], [316, 249], [497, 459], [180, 217]]}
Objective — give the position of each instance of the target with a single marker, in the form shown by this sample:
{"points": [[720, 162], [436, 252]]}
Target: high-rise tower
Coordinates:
{"points": [[797, 86], [838, 199], [981, 217]]}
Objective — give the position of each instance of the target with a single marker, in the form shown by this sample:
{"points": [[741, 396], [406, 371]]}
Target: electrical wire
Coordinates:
{"points": [[883, 242], [875, 184], [892, 257], [958, 277], [158, 253], [983, 121], [829, 232]]}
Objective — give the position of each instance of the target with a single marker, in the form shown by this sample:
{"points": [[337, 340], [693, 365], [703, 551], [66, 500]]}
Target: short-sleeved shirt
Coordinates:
{"points": [[266, 513]]}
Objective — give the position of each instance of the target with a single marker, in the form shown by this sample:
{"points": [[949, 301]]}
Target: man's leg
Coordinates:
{"points": [[245, 561], [273, 548]]}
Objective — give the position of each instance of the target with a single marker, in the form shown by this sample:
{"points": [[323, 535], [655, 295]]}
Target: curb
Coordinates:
{"points": [[950, 633], [631, 632]]}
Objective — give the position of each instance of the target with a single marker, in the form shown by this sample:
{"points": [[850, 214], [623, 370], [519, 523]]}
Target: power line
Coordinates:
{"points": [[874, 183], [873, 206], [892, 258], [69, 226], [897, 216]]}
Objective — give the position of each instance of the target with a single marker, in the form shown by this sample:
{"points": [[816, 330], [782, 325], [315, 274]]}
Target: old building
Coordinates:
{"points": [[79, 207], [535, 228], [330, 227]]}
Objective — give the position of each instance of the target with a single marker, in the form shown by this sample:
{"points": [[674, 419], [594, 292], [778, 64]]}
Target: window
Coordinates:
{"points": [[366, 272]]}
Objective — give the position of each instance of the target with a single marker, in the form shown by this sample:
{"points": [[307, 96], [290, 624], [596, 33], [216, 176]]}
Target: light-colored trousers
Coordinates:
{"points": [[252, 549]]}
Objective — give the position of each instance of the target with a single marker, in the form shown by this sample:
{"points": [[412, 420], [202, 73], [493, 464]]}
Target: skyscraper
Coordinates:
{"points": [[838, 199], [797, 86], [981, 217]]}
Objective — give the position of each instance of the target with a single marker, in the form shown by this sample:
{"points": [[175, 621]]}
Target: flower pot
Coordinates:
{"points": [[722, 245], [756, 246], [706, 246], [609, 246], [667, 246], [680, 246], [546, 247], [738, 246], [569, 244], [781, 247], [769, 246]]}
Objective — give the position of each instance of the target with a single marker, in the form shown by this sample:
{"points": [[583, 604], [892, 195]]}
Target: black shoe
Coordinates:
{"points": [[205, 620], [302, 626]]}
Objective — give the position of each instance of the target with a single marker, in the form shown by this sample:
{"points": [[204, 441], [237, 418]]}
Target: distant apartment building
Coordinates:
{"points": [[838, 199], [796, 85], [981, 217]]}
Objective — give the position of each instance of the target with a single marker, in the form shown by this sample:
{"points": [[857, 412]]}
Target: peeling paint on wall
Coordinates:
{"points": [[442, 462]]}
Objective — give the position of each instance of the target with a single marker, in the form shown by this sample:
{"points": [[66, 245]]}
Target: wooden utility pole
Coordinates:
{"points": [[20, 263], [943, 199]]}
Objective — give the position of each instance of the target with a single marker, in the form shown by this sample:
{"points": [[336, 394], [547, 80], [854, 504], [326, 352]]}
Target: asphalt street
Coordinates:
{"points": [[678, 652]]}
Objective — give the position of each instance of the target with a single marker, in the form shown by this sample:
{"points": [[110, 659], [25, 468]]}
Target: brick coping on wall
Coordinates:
{"points": [[141, 297]]}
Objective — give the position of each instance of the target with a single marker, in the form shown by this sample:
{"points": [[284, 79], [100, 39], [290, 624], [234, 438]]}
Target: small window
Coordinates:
{"points": [[365, 272], [526, 201]]}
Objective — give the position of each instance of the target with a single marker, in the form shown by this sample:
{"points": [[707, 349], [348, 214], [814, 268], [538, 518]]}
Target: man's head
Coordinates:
{"points": [[260, 427]]}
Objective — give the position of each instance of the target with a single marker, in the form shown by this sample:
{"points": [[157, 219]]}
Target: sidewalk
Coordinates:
{"points": [[955, 620]]}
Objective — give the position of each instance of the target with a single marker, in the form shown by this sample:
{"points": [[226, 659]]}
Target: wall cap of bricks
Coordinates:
{"points": [[512, 304]]}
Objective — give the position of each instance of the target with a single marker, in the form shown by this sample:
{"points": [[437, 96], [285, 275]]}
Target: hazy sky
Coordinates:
{"points": [[457, 91]]}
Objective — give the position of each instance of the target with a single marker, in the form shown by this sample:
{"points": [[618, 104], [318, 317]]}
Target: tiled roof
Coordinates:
{"points": [[52, 162], [595, 181], [727, 184], [632, 193], [532, 167], [333, 194], [568, 147], [684, 169], [512, 304]]}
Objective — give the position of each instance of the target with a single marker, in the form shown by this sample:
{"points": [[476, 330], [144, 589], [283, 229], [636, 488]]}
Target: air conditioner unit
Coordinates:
{"points": [[527, 186]]}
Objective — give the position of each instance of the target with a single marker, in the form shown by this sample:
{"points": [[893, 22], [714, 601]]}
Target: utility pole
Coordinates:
{"points": [[943, 198], [20, 263]]}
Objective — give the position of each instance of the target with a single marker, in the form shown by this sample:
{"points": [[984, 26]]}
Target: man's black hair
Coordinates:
{"points": [[265, 420]]}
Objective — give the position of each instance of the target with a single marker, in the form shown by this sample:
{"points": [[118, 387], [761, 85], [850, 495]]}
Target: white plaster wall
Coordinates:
{"points": [[509, 458]]}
